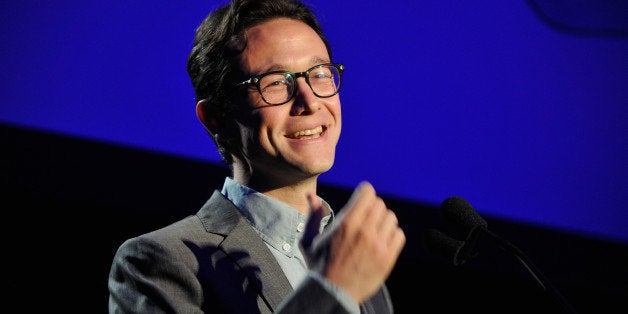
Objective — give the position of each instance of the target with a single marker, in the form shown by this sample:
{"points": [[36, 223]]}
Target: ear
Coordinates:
{"points": [[211, 123]]}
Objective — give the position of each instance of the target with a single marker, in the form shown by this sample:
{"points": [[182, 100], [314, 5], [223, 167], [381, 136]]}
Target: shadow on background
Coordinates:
{"points": [[597, 18]]}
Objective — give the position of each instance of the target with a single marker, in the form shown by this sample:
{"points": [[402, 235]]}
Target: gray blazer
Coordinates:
{"points": [[213, 262]]}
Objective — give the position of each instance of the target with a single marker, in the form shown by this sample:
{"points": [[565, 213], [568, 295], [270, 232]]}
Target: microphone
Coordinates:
{"points": [[466, 223]]}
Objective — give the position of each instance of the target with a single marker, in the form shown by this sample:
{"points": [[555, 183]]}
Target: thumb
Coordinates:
{"points": [[313, 221]]}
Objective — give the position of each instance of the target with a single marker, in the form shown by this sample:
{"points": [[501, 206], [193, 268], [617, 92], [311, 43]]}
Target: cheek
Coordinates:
{"points": [[253, 143], [255, 101], [336, 111], [252, 129], [248, 99], [247, 129]]}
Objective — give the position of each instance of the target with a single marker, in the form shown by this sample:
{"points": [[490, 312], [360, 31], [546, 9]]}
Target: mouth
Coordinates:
{"points": [[308, 134]]}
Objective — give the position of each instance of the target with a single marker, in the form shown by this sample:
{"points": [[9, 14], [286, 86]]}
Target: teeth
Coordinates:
{"points": [[313, 131]]}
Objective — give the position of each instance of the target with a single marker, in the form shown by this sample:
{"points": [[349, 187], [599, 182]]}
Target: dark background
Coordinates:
{"points": [[69, 203]]}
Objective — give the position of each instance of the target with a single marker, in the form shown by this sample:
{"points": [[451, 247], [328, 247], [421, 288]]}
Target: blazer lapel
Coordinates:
{"points": [[246, 248]]}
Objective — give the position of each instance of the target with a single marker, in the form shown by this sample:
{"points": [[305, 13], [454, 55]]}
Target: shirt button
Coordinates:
{"points": [[286, 247], [300, 227]]}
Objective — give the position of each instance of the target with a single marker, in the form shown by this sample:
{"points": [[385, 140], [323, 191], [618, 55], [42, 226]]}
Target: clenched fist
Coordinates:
{"points": [[362, 246]]}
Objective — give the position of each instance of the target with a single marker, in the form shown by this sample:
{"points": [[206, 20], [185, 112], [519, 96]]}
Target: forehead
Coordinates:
{"points": [[282, 43]]}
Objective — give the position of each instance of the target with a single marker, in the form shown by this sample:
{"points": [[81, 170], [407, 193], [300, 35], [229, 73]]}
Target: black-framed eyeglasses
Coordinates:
{"points": [[279, 87]]}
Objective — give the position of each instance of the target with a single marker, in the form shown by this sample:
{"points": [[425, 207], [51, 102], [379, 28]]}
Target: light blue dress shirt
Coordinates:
{"points": [[281, 227]]}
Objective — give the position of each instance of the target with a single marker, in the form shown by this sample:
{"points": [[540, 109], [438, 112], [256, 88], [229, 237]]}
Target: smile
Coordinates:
{"points": [[308, 134]]}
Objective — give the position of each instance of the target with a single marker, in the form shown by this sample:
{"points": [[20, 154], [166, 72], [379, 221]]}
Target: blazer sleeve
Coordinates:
{"points": [[147, 277], [311, 297]]}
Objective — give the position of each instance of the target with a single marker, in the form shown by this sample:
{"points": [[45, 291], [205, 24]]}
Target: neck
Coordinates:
{"points": [[292, 191]]}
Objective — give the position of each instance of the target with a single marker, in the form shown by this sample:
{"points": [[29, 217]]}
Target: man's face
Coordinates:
{"points": [[298, 139]]}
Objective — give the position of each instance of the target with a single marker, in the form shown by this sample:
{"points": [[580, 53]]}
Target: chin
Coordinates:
{"points": [[318, 168]]}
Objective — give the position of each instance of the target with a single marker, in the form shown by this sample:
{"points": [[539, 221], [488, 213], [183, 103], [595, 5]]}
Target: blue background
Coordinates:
{"points": [[482, 99]]}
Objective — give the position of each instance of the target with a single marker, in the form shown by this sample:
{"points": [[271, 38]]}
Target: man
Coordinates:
{"points": [[267, 93]]}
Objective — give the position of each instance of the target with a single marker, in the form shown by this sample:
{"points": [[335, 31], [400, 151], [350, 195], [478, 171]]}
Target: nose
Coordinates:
{"points": [[305, 102]]}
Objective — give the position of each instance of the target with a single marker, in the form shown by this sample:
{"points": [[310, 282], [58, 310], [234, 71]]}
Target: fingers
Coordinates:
{"points": [[361, 200], [368, 211], [366, 214], [366, 244], [388, 224], [397, 242], [313, 221], [391, 231]]}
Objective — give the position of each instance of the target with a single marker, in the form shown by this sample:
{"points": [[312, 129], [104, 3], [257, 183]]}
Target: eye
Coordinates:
{"points": [[320, 73], [274, 85], [274, 82]]}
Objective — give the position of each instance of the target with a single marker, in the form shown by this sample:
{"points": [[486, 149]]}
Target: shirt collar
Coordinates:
{"points": [[279, 224]]}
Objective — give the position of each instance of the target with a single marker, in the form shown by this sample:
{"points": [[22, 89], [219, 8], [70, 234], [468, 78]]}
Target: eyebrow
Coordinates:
{"points": [[280, 67]]}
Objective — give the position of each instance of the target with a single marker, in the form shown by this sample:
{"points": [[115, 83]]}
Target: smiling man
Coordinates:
{"points": [[267, 93]]}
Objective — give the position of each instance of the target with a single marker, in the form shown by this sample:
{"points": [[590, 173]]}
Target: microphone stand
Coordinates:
{"points": [[527, 263]]}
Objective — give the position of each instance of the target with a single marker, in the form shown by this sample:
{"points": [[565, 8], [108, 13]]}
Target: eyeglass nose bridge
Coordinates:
{"points": [[304, 75], [301, 74]]}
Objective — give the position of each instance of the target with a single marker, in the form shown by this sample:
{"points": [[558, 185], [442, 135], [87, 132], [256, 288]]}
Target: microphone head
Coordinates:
{"points": [[458, 213], [464, 224], [464, 227]]}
